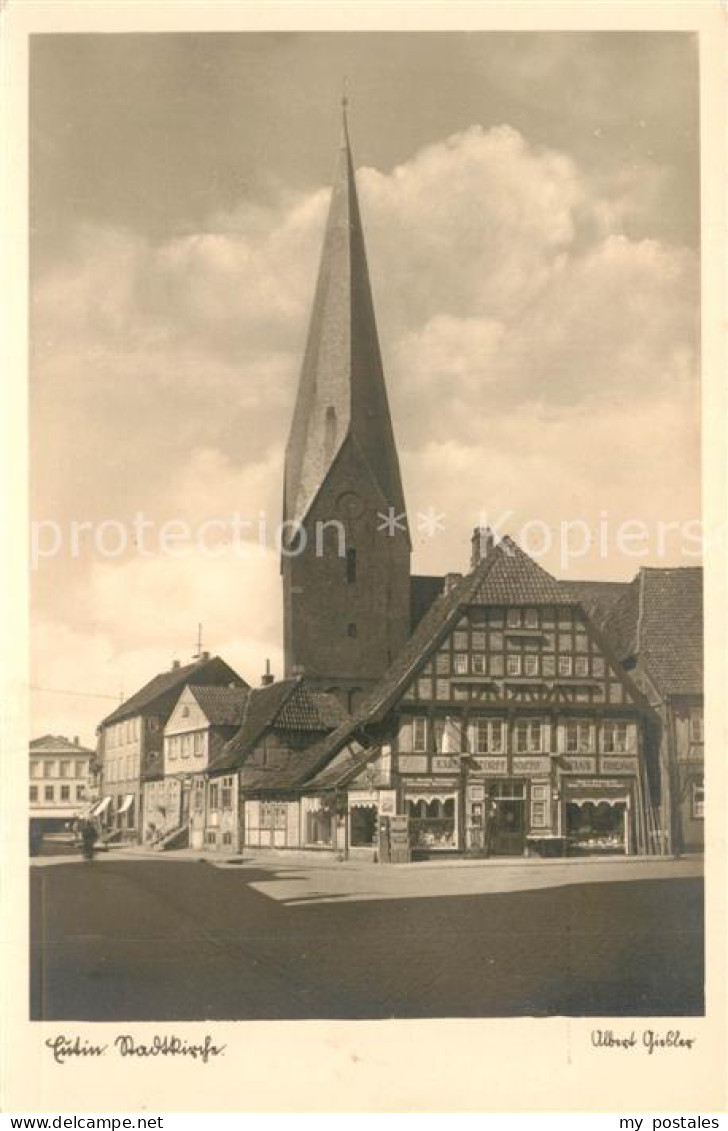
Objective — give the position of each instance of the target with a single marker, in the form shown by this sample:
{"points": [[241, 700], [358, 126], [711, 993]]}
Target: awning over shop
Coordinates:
{"points": [[127, 804], [100, 807]]}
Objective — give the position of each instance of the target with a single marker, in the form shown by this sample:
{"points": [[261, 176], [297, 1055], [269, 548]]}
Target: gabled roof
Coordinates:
{"points": [[161, 693], [660, 621], [341, 394], [222, 706], [288, 706], [58, 744]]}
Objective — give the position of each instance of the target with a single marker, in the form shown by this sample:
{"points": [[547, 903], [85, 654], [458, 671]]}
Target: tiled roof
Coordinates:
{"points": [[660, 620], [223, 706], [162, 691], [288, 706], [58, 744], [597, 598], [423, 591]]}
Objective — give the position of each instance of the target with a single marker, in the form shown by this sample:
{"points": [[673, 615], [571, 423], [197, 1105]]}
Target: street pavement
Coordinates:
{"points": [[134, 938]]}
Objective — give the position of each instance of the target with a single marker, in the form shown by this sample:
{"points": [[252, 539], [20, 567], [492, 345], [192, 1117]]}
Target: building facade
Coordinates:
{"points": [[657, 628], [61, 782], [131, 742]]}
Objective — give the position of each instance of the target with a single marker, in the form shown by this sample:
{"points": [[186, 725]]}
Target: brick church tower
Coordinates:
{"points": [[346, 594]]}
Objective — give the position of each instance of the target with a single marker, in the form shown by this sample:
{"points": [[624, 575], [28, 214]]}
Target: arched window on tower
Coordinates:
{"points": [[350, 566], [329, 432]]}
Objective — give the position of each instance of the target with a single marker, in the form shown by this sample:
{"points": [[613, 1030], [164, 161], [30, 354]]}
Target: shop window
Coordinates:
{"points": [[527, 735], [319, 827], [432, 822], [363, 825], [596, 826], [698, 806]]}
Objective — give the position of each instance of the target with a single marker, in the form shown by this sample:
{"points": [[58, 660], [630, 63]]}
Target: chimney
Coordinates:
{"points": [[451, 580], [482, 543], [267, 678], [175, 665], [204, 655], [76, 740]]}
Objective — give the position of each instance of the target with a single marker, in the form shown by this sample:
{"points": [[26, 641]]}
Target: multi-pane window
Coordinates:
{"points": [[65, 793], [696, 724], [581, 665], [79, 792], [565, 665], [478, 641], [49, 769], [530, 665], [614, 737], [578, 737], [199, 743], [548, 665], [226, 793], [698, 807], [198, 795], [214, 795], [527, 736], [460, 663], [65, 770], [514, 664], [486, 736], [48, 792], [460, 640], [478, 662], [419, 733]]}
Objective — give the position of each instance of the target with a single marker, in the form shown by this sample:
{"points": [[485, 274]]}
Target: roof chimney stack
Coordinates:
{"points": [[76, 740], [175, 665], [451, 580], [204, 655], [482, 543], [267, 678]]}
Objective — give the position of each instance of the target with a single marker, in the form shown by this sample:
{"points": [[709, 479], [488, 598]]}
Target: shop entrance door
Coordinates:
{"points": [[509, 819]]}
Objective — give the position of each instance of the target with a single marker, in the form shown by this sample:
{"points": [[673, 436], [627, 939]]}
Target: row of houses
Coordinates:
{"points": [[525, 715]]}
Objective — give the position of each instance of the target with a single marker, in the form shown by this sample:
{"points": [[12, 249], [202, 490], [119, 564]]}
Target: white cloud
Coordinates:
{"points": [[556, 356]]}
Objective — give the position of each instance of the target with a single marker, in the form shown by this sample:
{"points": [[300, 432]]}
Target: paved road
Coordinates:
{"points": [[132, 939]]}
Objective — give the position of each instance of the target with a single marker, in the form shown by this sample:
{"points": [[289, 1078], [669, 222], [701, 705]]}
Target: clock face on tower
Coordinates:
{"points": [[350, 505]]}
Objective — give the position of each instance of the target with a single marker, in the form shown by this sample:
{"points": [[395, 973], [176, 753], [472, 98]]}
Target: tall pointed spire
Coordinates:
{"points": [[341, 394]]}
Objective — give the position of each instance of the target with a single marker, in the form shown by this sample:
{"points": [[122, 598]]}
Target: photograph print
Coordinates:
{"points": [[366, 547]]}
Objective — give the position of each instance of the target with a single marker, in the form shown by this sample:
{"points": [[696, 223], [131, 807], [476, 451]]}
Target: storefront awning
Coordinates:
{"points": [[100, 807], [127, 804], [596, 800]]}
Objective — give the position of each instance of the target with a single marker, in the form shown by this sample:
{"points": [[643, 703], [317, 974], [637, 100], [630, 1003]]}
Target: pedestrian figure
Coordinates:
{"points": [[88, 837]]}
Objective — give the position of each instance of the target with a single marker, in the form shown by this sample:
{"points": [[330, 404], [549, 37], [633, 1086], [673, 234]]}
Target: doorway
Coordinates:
{"points": [[509, 818]]}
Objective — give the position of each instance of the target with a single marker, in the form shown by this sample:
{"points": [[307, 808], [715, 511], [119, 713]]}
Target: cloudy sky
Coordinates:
{"points": [[531, 206]]}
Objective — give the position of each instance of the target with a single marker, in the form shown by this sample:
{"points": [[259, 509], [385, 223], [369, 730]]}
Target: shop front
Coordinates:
{"points": [[598, 818], [432, 819]]}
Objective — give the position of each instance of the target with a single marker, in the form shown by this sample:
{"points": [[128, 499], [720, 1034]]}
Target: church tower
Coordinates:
{"points": [[346, 574]]}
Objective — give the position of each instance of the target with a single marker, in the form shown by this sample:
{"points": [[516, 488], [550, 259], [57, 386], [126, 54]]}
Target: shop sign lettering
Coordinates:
{"points": [[620, 765], [530, 765], [492, 765], [579, 765]]}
